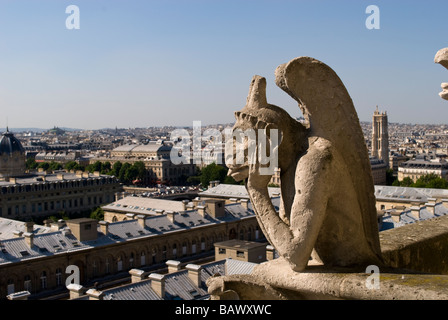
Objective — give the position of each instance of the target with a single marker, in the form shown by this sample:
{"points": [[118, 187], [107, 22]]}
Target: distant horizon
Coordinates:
{"points": [[19, 130]]}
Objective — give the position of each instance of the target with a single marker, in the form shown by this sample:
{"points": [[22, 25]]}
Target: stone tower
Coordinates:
{"points": [[380, 136]]}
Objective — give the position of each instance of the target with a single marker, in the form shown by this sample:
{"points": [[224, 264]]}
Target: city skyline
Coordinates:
{"points": [[153, 63]]}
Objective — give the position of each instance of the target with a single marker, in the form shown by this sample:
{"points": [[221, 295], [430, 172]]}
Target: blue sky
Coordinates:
{"points": [[153, 63]]}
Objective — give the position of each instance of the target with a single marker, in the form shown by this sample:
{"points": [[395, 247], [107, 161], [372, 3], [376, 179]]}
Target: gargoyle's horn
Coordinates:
{"points": [[256, 98]]}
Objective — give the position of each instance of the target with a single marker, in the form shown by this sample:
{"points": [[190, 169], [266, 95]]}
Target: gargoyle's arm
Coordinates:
{"points": [[295, 242]]}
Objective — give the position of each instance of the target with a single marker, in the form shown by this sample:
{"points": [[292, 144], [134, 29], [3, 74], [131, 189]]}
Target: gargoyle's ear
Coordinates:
{"points": [[272, 126]]}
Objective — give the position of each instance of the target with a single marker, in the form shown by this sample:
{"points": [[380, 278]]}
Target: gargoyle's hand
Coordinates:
{"points": [[257, 179]]}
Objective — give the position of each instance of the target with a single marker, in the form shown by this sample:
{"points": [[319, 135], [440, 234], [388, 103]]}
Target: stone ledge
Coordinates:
{"points": [[416, 256], [421, 246], [276, 280]]}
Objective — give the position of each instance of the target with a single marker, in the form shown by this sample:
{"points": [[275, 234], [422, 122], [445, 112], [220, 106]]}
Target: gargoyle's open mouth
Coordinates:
{"points": [[442, 58]]}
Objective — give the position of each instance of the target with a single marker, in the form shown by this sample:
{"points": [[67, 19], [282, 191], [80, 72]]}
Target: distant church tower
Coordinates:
{"points": [[380, 136]]}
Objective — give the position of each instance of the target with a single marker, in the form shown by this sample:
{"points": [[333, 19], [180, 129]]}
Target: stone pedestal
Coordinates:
{"points": [[275, 280]]}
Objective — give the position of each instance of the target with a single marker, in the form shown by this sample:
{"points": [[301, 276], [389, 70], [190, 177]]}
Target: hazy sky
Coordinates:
{"points": [[153, 63]]}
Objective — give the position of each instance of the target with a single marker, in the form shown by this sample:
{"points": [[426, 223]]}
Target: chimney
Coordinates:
{"points": [[17, 234], [96, 173], [196, 202], [158, 284], [55, 226], [270, 252], [141, 218], [216, 208], [185, 204], [29, 238], [84, 229], [415, 211], [29, 226], [233, 200], [76, 290], [130, 216], [244, 203], [396, 215], [431, 207], [48, 222], [60, 176], [104, 227], [160, 211], [136, 275], [95, 294], [12, 180], [432, 200], [201, 210], [173, 266], [194, 273], [171, 216], [22, 295]]}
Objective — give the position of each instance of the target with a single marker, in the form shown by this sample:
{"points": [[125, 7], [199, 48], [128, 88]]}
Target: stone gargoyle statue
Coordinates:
{"points": [[442, 58], [327, 209]]}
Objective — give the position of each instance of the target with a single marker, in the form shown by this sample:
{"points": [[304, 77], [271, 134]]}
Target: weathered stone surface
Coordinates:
{"points": [[420, 246], [328, 201], [442, 58], [328, 205], [328, 284]]}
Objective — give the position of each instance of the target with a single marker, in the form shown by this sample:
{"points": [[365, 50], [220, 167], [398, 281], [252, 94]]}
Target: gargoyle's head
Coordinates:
{"points": [[258, 114]]}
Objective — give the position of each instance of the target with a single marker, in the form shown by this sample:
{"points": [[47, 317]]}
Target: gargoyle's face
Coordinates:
{"points": [[239, 170]]}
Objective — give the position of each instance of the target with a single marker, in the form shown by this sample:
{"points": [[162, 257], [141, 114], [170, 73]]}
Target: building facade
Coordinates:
{"points": [[420, 166], [43, 194], [37, 262], [156, 158]]}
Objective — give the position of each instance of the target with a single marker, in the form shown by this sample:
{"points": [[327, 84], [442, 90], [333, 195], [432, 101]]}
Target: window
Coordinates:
{"points": [[184, 248], [142, 258], [119, 264], [59, 277], [43, 280], [240, 254], [106, 263], [10, 288], [222, 251], [27, 283], [131, 260]]}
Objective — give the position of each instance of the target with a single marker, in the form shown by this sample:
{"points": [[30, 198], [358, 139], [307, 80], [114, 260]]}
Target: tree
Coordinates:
{"points": [[116, 168], [141, 169], [431, 181], [426, 181], [31, 163], [98, 214], [390, 177], [212, 172], [122, 174], [55, 166], [44, 165], [96, 166], [106, 167]]}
